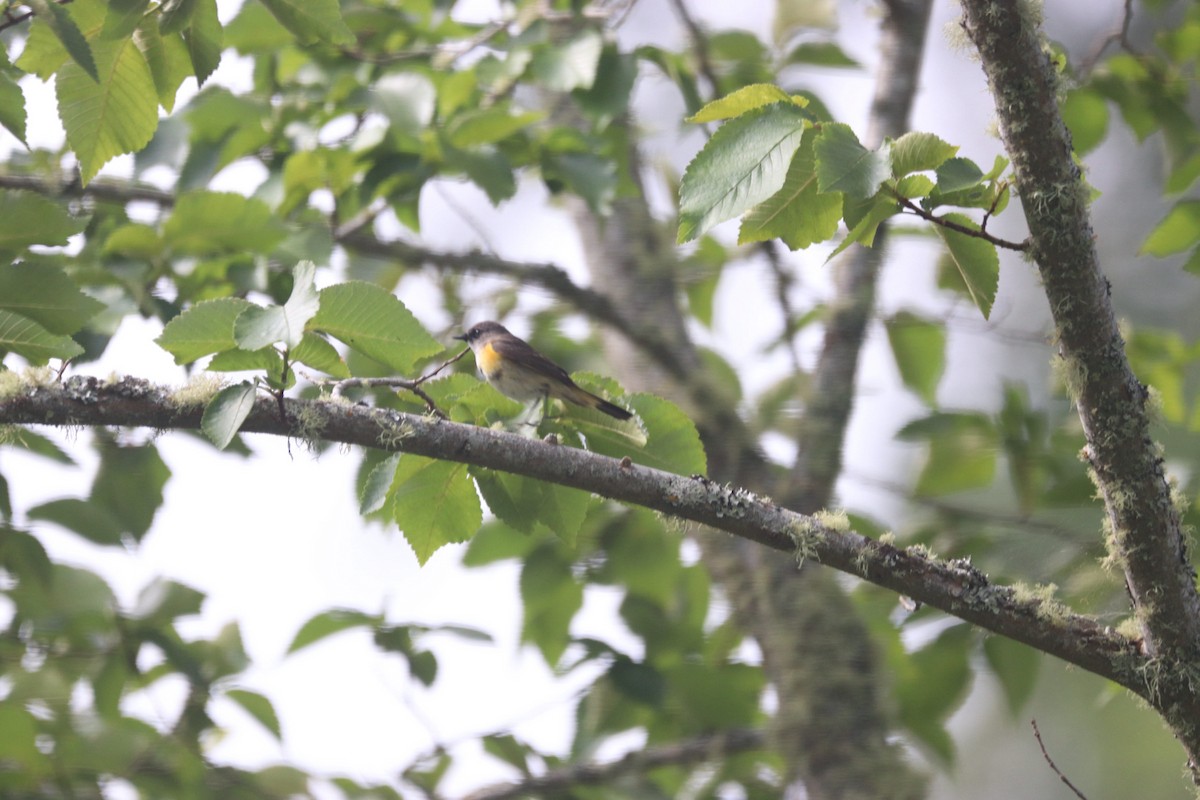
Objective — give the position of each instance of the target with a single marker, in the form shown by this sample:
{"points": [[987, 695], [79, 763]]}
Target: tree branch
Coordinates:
{"points": [[1146, 536], [702, 748], [955, 587], [978, 233]]}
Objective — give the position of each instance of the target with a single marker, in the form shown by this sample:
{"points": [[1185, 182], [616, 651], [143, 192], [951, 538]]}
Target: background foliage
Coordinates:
{"points": [[265, 225]]}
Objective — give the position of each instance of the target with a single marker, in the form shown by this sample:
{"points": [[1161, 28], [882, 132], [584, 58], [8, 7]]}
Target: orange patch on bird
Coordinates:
{"points": [[488, 359]]}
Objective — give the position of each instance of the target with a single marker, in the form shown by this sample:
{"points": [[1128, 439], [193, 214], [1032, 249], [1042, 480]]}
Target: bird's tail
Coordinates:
{"points": [[582, 397]]}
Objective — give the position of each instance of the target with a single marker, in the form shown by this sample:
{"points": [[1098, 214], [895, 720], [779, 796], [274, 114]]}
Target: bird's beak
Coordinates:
{"points": [[462, 337]]}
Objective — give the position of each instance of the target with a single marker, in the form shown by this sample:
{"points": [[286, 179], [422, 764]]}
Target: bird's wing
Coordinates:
{"points": [[523, 353]]}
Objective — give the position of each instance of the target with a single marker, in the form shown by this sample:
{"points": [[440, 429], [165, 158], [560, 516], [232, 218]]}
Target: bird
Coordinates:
{"points": [[519, 371]]}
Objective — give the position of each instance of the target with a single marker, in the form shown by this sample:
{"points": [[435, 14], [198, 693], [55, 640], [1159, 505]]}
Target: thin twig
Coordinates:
{"points": [[978, 233], [699, 44], [1038, 735], [1119, 36], [412, 385], [10, 19]]}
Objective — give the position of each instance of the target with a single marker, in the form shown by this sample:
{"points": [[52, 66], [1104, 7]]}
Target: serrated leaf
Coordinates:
{"points": [[379, 481], [26, 338], [176, 14], [798, 213], [1178, 231], [328, 623], [202, 35], [27, 218], [12, 108], [744, 99], [259, 327], [259, 707], [312, 20], [976, 260], [873, 214], [45, 295], [211, 223], [918, 152], [225, 413], [113, 114], [203, 329], [524, 503], [844, 165], [743, 164], [958, 174], [59, 20], [122, 17], [167, 57], [375, 323], [314, 351], [919, 347], [434, 503]]}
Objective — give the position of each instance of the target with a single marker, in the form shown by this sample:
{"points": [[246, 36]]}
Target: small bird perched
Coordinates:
{"points": [[519, 371]]}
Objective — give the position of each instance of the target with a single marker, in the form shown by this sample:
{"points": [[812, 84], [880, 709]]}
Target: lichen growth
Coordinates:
{"points": [[392, 431], [310, 422], [834, 520], [13, 383], [1042, 595], [198, 391], [807, 534]]}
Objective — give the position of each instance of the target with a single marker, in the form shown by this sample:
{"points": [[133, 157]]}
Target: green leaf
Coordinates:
{"points": [[958, 174], [434, 503], [799, 213], [259, 707], [12, 108], [312, 20], [918, 152], [46, 295], [478, 127], [203, 329], [168, 59], [314, 351], [976, 260], [163, 601], [26, 338], [59, 21], [212, 223], [203, 38], [844, 165], [744, 163], [672, 441], [123, 17], [919, 347], [407, 99], [379, 482], [82, 517], [550, 595], [328, 623], [744, 99], [820, 54], [27, 218], [1178, 231], [258, 327], [524, 503], [225, 413], [129, 484], [589, 175], [570, 65], [176, 14], [1016, 666], [937, 683], [869, 216], [111, 115], [1085, 112], [962, 452], [375, 323]]}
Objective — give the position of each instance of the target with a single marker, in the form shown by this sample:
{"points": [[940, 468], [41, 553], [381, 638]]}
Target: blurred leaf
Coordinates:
{"points": [[919, 347], [820, 54], [208, 223], [30, 340], [202, 35], [962, 451], [312, 20], [129, 484], [47, 296], [1016, 666], [569, 65], [27, 218], [328, 623], [935, 686], [87, 519], [259, 707], [1086, 114], [163, 601], [742, 100], [551, 596], [1179, 230]]}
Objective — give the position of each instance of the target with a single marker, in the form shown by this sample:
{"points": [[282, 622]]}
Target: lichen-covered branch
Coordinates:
{"points": [[952, 586], [1145, 534]]}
